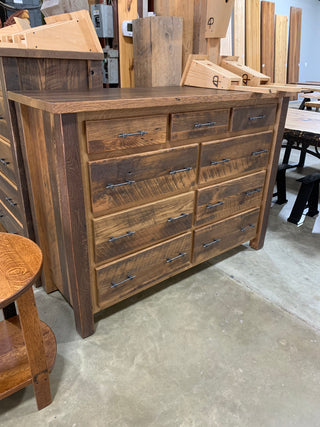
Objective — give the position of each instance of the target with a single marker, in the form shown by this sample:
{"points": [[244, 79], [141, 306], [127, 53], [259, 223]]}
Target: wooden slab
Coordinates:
{"points": [[218, 17], [267, 38], [127, 10], [294, 44], [281, 49], [239, 30], [253, 34], [199, 27]]}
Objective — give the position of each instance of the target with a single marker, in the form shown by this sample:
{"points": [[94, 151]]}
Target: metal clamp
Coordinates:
{"points": [[4, 162], [11, 202], [206, 245], [250, 192], [262, 116], [129, 277], [181, 254], [180, 170], [183, 215], [255, 153], [200, 125], [215, 205], [220, 161], [140, 132], [247, 227], [110, 186], [128, 234]]}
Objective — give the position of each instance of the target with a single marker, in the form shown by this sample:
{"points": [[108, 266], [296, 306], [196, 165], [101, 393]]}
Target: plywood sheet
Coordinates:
{"points": [[239, 30], [127, 10], [294, 44], [267, 38], [199, 27], [253, 34], [281, 49]]}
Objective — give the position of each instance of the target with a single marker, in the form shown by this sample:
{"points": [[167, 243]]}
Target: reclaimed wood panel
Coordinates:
{"points": [[127, 10], [281, 49], [294, 44], [239, 30], [267, 38], [199, 27], [253, 25]]}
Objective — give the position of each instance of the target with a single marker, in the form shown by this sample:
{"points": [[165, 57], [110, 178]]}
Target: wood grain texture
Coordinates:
{"points": [[267, 38], [226, 42], [218, 18], [259, 117], [239, 25], [281, 49], [127, 10], [253, 25], [294, 44], [199, 27]]}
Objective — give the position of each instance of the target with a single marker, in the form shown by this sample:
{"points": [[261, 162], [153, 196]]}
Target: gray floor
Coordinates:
{"points": [[233, 342]]}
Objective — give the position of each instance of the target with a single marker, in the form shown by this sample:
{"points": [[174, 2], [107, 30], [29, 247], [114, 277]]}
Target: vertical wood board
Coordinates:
{"points": [[239, 29], [218, 18], [267, 38], [294, 44], [226, 42], [253, 34], [127, 10], [281, 49], [199, 27]]}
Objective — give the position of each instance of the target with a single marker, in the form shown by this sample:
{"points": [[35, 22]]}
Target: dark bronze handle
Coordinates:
{"points": [[1, 117], [247, 227], [256, 190], [128, 234], [262, 116], [140, 132], [181, 254], [180, 170], [183, 215], [4, 162], [110, 186], [255, 153], [200, 125], [215, 205], [11, 202], [206, 245], [129, 277], [220, 161], [1, 215]]}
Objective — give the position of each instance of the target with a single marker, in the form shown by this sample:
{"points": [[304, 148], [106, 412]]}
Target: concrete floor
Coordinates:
{"points": [[233, 342]]}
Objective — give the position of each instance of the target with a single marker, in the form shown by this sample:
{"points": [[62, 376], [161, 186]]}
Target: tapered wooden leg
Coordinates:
{"points": [[30, 325]]}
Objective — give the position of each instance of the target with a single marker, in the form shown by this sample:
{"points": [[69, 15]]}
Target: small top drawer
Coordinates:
{"points": [[246, 118], [118, 135], [6, 160], [199, 124]]}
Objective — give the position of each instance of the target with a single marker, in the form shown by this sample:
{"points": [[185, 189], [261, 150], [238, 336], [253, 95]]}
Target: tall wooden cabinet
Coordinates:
{"points": [[132, 186]]}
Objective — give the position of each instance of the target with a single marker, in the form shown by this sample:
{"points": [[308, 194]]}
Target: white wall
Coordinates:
{"points": [[310, 35]]}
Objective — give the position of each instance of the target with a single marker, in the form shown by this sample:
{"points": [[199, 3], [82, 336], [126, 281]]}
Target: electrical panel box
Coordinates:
{"points": [[102, 19]]}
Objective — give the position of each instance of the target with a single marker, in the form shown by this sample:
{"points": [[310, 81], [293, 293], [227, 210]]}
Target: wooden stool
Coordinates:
{"points": [[27, 346]]}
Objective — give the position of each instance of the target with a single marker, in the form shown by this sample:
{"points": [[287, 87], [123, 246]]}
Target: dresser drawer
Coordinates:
{"points": [[126, 182], [9, 222], [234, 157], [214, 239], [6, 160], [4, 131], [123, 278], [199, 124], [228, 198], [147, 133], [9, 196], [246, 118], [123, 233]]}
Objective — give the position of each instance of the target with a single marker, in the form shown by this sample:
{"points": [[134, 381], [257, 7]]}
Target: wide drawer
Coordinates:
{"points": [[246, 118], [9, 197], [234, 157], [146, 133], [214, 239], [6, 160], [123, 278], [228, 198], [126, 182], [9, 222], [199, 124], [123, 233]]}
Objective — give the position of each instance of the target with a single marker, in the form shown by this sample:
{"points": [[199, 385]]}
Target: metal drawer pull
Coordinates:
{"points": [[256, 190], [1, 215], [255, 153], [200, 125], [206, 245], [262, 116], [119, 185], [246, 228], [128, 234], [11, 202], [4, 162], [1, 117], [181, 254], [220, 161], [180, 170], [140, 132], [129, 277], [183, 215], [215, 205]]}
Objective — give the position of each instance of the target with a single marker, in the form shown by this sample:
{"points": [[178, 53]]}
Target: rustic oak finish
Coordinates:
{"points": [[117, 222]]}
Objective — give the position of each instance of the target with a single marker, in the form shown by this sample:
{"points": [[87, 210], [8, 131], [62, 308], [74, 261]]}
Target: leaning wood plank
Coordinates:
{"points": [[267, 38], [253, 34], [218, 18], [226, 42], [294, 44], [127, 10], [199, 27], [250, 77], [239, 30], [281, 49]]}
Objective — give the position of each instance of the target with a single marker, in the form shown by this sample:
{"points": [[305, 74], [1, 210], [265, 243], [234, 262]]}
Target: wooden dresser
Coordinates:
{"points": [[23, 69], [132, 186]]}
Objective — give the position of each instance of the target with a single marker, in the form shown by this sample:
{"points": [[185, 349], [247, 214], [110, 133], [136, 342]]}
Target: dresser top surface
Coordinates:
{"points": [[124, 99]]}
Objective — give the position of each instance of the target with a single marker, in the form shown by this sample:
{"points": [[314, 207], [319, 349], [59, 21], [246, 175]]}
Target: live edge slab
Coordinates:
{"points": [[131, 186]]}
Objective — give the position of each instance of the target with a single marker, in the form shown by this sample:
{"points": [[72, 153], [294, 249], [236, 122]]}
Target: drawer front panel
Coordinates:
{"points": [[234, 157], [228, 198], [146, 133], [245, 118], [121, 279], [6, 160], [9, 222], [128, 182], [9, 197], [214, 239], [123, 233], [199, 124]]}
